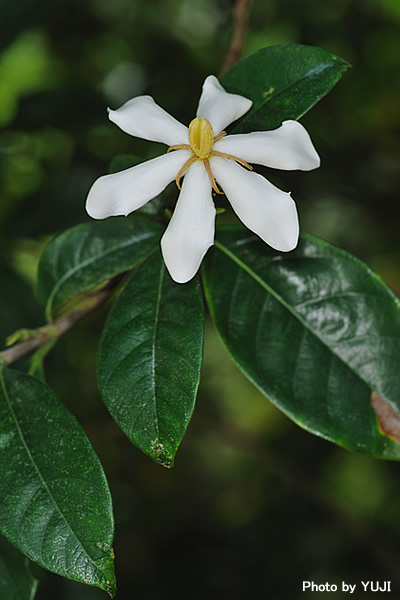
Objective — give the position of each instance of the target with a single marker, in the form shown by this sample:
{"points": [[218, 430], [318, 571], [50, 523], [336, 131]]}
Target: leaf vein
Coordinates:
{"points": [[36, 468], [258, 279], [92, 259]]}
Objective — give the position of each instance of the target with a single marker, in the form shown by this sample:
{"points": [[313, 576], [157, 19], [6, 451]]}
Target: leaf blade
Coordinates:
{"points": [[150, 357], [56, 505], [89, 254], [16, 581], [317, 355], [283, 81]]}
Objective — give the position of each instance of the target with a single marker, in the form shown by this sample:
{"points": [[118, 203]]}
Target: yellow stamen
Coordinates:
{"points": [[201, 137], [235, 158], [201, 143], [219, 136], [211, 176], [179, 147], [187, 164]]}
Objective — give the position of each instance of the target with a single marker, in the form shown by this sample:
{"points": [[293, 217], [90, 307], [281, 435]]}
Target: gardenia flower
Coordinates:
{"points": [[206, 157]]}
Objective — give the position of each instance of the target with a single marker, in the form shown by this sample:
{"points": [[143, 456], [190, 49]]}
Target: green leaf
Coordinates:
{"points": [[55, 502], [150, 357], [16, 581], [283, 82], [89, 254], [316, 331]]}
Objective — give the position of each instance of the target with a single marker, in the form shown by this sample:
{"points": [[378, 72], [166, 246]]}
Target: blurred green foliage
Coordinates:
{"points": [[254, 505]]}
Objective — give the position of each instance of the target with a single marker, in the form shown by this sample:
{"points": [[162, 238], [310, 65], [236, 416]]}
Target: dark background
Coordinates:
{"points": [[254, 505]]}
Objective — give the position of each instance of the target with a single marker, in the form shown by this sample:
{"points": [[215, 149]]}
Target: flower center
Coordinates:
{"points": [[201, 137], [201, 144]]}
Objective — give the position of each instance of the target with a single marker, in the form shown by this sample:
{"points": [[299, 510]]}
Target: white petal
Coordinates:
{"points": [[143, 118], [122, 193], [191, 230], [261, 206], [220, 107], [289, 147]]}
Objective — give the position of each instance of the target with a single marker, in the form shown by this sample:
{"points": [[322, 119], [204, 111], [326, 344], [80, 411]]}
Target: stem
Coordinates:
{"points": [[240, 15], [43, 335]]}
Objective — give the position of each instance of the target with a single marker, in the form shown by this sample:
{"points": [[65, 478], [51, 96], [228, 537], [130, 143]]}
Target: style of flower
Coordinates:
{"points": [[206, 158]]}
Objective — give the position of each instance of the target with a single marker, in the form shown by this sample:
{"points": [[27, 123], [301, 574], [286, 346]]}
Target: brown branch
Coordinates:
{"points": [[53, 331], [240, 15]]}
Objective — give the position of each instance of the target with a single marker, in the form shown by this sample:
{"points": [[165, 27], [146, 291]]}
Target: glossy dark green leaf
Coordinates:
{"points": [[16, 581], [316, 331], [150, 357], [283, 82], [90, 253], [55, 502]]}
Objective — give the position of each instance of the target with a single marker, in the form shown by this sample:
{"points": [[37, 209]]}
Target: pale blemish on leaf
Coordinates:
{"points": [[267, 95], [6, 439], [388, 418], [161, 455]]}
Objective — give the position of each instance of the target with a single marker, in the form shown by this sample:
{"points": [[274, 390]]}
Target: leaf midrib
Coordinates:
{"points": [[284, 90], [86, 263], [287, 306], [153, 349]]}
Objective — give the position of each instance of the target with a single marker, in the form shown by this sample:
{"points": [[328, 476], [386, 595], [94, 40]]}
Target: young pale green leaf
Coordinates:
{"points": [[150, 357], [316, 331], [90, 253], [16, 581], [55, 502], [283, 82]]}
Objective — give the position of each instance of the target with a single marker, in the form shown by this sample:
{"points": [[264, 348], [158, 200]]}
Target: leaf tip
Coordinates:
{"points": [[161, 455], [108, 583], [111, 588], [388, 419]]}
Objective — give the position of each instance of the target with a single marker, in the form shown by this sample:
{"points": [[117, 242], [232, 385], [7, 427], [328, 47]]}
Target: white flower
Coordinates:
{"points": [[204, 154]]}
